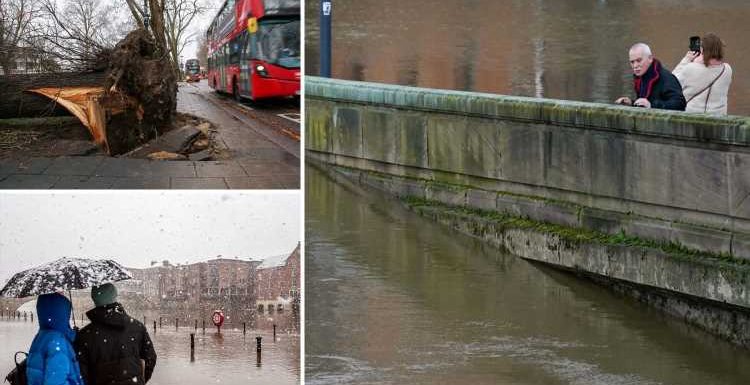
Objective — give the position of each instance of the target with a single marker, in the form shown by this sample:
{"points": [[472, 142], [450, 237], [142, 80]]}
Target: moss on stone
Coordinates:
{"points": [[573, 235]]}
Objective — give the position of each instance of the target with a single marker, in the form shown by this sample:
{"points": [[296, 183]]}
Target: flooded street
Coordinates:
{"points": [[573, 49], [394, 298], [226, 359]]}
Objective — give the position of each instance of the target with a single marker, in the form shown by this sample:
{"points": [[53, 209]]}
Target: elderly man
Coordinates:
{"points": [[655, 86]]}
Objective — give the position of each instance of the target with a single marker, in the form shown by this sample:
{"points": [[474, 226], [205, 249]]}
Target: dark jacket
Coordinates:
{"points": [[111, 347], [660, 87], [51, 358]]}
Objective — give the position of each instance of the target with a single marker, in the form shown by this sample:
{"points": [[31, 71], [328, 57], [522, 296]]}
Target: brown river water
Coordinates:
{"points": [[561, 49], [393, 298]]}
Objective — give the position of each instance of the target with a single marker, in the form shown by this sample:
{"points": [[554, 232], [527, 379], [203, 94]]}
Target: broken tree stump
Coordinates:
{"points": [[16, 102]]}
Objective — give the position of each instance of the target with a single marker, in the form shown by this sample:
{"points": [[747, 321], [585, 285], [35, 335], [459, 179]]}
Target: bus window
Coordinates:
{"points": [[279, 43], [234, 47], [244, 51]]}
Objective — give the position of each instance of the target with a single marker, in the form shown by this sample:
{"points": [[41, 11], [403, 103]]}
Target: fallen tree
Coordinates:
{"points": [[18, 103], [123, 106]]}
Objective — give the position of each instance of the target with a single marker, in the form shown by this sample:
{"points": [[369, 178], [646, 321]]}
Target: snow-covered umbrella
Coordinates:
{"points": [[64, 274]]}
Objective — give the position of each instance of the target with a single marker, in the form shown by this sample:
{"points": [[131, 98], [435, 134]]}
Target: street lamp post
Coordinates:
{"points": [[326, 8]]}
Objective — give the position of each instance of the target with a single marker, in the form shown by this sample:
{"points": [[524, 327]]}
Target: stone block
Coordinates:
{"points": [[347, 138], [380, 135], [412, 149], [481, 199], [318, 125], [446, 194], [604, 221], [741, 246], [646, 228], [702, 238]]}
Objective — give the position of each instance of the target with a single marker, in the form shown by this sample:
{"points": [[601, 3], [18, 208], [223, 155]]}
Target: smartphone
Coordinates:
{"points": [[695, 44]]}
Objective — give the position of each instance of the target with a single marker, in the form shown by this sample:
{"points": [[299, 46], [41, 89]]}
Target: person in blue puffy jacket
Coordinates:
{"points": [[52, 360]]}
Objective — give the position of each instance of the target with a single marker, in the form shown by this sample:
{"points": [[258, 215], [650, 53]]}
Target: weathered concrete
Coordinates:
{"points": [[667, 176]]}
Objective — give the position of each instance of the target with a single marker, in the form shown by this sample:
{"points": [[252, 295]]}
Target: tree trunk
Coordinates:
{"points": [[17, 102]]}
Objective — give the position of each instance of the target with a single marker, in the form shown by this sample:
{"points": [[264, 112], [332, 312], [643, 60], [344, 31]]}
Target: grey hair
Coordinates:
{"points": [[646, 49]]}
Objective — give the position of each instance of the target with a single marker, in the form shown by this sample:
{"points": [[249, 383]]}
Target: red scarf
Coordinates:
{"points": [[644, 85]]}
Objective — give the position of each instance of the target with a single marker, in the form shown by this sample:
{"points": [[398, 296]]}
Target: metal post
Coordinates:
{"points": [[192, 347], [144, 320], [274, 332], [159, 322], [176, 323], [326, 9], [258, 347], [25, 317], [243, 329], [32, 317], [154, 326], [196, 324], [204, 326]]}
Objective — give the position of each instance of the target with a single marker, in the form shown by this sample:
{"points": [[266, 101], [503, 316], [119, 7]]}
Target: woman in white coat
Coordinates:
{"points": [[705, 78]]}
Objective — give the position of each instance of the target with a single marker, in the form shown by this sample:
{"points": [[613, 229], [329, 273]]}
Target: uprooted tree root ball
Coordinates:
{"points": [[142, 78]]}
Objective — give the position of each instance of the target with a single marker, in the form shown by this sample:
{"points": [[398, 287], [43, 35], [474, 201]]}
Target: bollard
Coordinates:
{"points": [[144, 320], [192, 347], [196, 325], [25, 317], [258, 347], [204, 326], [274, 332], [154, 326], [32, 317], [243, 328], [159, 322], [176, 323]]}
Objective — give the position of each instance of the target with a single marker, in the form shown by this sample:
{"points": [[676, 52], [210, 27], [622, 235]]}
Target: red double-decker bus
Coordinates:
{"points": [[254, 49]]}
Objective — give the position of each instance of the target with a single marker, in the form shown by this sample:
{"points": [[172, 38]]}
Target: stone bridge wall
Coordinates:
{"points": [[665, 176]]}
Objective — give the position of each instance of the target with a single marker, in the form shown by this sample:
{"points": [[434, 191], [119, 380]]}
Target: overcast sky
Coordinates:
{"points": [[199, 26], [137, 228]]}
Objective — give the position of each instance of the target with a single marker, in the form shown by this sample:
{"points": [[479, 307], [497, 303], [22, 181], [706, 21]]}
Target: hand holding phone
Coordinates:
{"points": [[695, 44]]}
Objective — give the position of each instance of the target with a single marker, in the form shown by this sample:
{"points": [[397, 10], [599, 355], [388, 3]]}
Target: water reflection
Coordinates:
{"points": [[226, 358], [572, 49], [393, 298]]}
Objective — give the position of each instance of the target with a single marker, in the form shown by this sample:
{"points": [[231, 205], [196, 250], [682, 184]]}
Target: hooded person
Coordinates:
{"points": [[51, 359], [115, 348]]}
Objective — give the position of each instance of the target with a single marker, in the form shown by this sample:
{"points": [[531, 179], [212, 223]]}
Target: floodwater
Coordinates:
{"points": [[394, 298], [562, 49], [229, 358]]}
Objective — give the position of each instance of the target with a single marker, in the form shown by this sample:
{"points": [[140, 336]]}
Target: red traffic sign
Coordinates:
{"points": [[218, 318]]}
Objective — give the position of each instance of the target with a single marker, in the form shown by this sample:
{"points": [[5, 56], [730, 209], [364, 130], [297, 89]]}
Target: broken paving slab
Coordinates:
{"points": [[164, 155], [175, 141], [201, 156]]}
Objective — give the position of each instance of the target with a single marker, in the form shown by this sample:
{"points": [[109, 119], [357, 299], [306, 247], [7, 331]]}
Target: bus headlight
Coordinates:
{"points": [[260, 69]]}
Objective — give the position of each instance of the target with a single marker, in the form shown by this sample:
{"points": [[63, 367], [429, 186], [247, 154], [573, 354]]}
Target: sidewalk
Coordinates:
{"points": [[256, 162]]}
